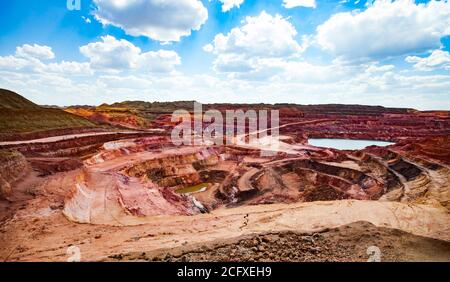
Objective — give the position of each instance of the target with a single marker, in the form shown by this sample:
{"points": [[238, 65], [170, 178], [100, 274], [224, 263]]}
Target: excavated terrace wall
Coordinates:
{"points": [[12, 166]]}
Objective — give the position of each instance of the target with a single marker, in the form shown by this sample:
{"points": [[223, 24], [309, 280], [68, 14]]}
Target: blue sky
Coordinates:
{"points": [[392, 53]]}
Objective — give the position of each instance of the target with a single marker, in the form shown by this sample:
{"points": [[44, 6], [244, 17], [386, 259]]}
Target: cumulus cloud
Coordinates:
{"points": [[290, 81], [17, 63], [69, 68], [438, 59], [107, 55], [386, 29], [372, 87], [230, 4], [35, 51], [33, 59], [111, 54], [288, 4], [164, 21], [262, 36], [261, 59]]}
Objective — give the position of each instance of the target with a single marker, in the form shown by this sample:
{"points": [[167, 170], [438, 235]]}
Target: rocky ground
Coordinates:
{"points": [[356, 242]]}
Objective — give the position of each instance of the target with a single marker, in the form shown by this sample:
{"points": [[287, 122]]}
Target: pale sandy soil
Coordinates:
{"points": [[356, 242], [63, 137], [38, 233]]}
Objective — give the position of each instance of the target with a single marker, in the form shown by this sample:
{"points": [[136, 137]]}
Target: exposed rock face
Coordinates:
{"points": [[122, 118], [125, 182], [73, 147], [141, 172], [146, 193], [12, 166], [49, 166], [132, 179], [113, 199], [414, 170], [175, 170]]}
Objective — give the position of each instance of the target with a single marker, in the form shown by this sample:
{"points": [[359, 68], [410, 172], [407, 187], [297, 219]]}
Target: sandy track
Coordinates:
{"points": [[63, 137]]}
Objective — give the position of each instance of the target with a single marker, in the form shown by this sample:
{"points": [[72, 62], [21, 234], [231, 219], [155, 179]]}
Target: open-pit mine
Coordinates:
{"points": [[116, 188]]}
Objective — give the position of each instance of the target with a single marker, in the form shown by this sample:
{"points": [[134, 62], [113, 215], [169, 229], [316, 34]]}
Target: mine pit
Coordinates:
{"points": [[143, 193]]}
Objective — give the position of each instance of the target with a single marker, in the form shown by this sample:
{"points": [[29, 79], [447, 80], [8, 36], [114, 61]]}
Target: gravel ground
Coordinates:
{"points": [[349, 243]]}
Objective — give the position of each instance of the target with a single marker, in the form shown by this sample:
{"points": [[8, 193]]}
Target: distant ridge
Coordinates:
{"points": [[19, 116], [13, 101]]}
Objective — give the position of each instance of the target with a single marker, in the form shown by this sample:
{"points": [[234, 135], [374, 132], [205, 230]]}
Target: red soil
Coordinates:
{"points": [[132, 180]]}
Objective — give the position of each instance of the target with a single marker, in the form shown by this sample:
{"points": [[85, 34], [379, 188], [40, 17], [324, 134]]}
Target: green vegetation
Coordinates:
{"points": [[193, 189], [8, 154], [13, 101], [147, 110], [19, 115], [19, 121]]}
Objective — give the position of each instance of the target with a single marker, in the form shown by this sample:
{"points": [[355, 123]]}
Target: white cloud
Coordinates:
{"points": [[69, 68], [159, 61], [162, 20], [108, 55], [298, 82], [86, 19], [233, 63], [288, 4], [111, 54], [208, 48], [386, 29], [16, 63], [438, 59], [230, 4], [35, 51], [123, 82], [28, 59], [362, 87], [263, 36]]}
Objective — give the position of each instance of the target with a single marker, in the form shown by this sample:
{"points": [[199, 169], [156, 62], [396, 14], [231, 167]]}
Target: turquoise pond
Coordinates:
{"points": [[346, 144]]}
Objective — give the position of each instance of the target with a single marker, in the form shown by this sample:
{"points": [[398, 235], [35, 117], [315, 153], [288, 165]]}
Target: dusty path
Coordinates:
{"points": [[64, 137], [272, 143]]}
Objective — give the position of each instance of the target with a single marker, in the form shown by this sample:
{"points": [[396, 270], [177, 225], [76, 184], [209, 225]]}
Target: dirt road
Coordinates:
{"points": [[63, 137]]}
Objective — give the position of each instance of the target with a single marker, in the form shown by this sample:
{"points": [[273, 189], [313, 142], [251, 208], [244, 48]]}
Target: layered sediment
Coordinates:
{"points": [[117, 187], [13, 166]]}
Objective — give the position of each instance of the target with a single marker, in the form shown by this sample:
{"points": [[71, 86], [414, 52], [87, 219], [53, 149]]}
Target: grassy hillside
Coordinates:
{"points": [[129, 114], [19, 115], [13, 101]]}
